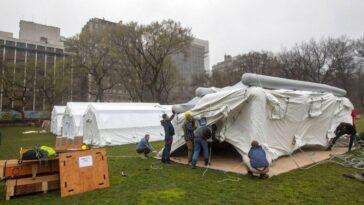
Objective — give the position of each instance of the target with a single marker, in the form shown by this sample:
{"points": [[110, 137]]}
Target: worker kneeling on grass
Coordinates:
{"points": [[256, 161], [144, 147]]}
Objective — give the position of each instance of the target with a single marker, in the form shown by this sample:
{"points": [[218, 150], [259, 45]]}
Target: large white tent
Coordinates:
{"points": [[56, 119], [73, 116], [105, 124], [281, 120], [72, 119]]}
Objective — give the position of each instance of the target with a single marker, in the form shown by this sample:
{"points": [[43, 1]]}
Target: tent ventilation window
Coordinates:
{"points": [[315, 108], [278, 111]]}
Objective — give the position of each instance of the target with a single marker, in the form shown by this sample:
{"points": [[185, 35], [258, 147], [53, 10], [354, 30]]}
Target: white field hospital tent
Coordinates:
{"points": [[282, 121], [56, 119], [72, 122], [72, 119], [105, 125]]}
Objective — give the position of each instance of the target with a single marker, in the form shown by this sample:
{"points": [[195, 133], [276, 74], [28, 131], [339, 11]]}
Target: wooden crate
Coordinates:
{"points": [[78, 140], [12, 168], [83, 171], [64, 143], [22, 186], [61, 141]]}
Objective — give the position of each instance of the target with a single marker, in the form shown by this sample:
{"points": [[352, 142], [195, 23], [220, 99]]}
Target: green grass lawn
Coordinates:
{"points": [[179, 184], [360, 125]]}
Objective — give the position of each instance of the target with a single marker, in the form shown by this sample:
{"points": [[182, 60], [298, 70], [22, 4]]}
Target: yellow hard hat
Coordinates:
{"points": [[188, 114], [84, 147]]}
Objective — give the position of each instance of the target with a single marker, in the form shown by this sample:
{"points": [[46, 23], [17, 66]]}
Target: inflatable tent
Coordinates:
{"points": [[105, 124], [56, 119], [281, 120]]}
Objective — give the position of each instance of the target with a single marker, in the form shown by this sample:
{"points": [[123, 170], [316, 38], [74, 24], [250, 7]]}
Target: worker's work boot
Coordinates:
{"points": [[264, 176]]}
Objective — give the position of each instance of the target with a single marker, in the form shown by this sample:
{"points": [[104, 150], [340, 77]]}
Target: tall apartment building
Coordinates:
{"points": [[31, 62], [190, 68], [97, 24], [197, 62]]}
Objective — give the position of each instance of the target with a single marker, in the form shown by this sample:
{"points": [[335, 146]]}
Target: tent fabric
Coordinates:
{"points": [[123, 124], [56, 119], [200, 92], [281, 120], [73, 117]]}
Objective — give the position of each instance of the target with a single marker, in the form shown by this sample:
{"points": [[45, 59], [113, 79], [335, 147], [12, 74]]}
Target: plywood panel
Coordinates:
{"points": [[83, 171]]}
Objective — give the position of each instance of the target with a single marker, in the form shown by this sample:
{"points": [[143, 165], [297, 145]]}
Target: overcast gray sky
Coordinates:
{"points": [[230, 26]]}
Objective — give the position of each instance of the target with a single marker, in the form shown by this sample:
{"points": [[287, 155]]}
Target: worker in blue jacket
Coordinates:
{"points": [[145, 147], [168, 136], [256, 161]]}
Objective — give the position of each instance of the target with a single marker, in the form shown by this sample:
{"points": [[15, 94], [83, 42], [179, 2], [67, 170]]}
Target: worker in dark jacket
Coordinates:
{"points": [[189, 127], [144, 146], [256, 161], [168, 136], [202, 133], [341, 130]]}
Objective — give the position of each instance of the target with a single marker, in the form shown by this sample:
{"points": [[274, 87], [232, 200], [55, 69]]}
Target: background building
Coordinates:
{"points": [[31, 66], [191, 68], [196, 63], [97, 24]]}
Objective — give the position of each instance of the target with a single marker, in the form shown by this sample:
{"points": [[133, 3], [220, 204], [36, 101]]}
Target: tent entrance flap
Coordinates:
{"points": [[223, 155]]}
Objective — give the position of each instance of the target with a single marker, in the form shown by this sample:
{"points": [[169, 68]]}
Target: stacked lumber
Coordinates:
{"points": [[74, 171], [30, 176]]}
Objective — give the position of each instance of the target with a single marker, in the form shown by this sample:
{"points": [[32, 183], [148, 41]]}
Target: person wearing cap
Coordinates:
{"points": [[189, 127], [256, 161], [202, 133], [145, 147]]}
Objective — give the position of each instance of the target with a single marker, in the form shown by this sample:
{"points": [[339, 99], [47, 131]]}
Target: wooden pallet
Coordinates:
{"points": [[12, 168], [22, 186]]}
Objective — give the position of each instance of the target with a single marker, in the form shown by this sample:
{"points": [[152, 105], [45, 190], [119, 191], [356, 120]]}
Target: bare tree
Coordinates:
{"points": [[55, 87], [253, 62], [341, 51], [146, 50], [15, 90], [93, 54], [359, 52]]}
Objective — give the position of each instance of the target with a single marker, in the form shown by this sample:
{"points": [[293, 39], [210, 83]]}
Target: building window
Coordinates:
{"points": [[31, 46], [41, 48], [44, 39], [59, 51], [49, 49], [10, 43]]}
